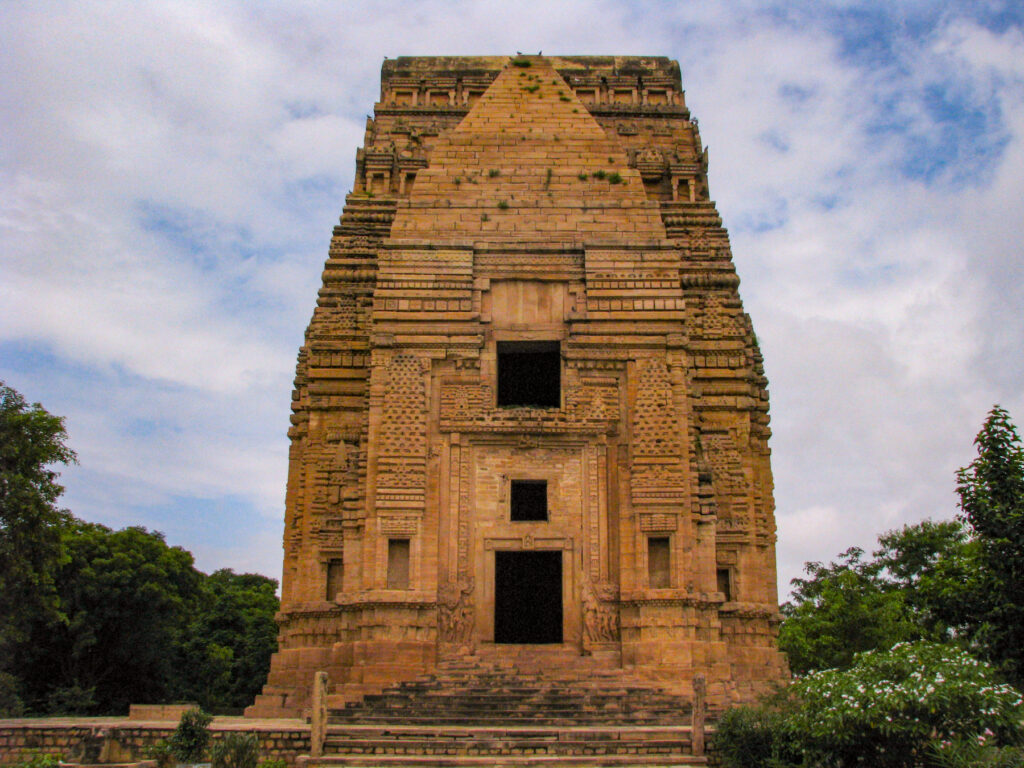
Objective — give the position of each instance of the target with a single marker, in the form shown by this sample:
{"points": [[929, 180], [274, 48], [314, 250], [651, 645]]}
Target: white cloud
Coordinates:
{"points": [[169, 177]]}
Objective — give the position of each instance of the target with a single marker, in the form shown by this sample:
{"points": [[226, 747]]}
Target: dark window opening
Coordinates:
{"points": [[725, 583], [335, 576], [529, 501], [529, 374], [528, 597], [398, 563], [658, 559]]}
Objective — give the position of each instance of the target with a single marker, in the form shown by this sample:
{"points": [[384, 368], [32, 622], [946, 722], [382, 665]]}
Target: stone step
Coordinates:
{"points": [[483, 761], [505, 746], [516, 731], [552, 701], [469, 720]]}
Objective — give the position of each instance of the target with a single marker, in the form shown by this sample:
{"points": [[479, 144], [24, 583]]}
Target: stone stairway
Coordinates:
{"points": [[473, 712]]}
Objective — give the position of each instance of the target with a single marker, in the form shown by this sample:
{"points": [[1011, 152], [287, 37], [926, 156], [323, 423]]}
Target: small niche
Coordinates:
{"points": [[659, 574], [398, 563], [725, 583], [335, 579]]}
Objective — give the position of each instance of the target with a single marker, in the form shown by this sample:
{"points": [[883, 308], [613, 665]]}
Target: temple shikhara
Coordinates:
{"points": [[529, 430]]}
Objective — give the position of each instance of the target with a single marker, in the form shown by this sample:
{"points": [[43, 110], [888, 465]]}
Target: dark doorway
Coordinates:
{"points": [[528, 597]]}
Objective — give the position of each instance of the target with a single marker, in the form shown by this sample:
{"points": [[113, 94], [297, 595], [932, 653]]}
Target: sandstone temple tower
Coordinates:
{"points": [[530, 420]]}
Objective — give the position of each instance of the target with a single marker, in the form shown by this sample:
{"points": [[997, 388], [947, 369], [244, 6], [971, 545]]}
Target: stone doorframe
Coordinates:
{"points": [[572, 614]]}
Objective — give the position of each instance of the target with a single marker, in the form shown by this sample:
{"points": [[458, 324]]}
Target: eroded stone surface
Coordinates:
{"points": [[553, 207]]}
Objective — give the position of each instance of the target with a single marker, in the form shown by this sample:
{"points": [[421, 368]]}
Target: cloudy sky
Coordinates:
{"points": [[170, 174]]}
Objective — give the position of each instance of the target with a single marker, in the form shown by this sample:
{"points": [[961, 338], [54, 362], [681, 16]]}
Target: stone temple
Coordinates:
{"points": [[530, 420]]}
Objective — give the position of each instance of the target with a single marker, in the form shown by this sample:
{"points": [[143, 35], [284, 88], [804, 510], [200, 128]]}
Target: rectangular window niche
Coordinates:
{"points": [[659, 575], [528, 501], [529, 374], [398, 563], [335, 578]]}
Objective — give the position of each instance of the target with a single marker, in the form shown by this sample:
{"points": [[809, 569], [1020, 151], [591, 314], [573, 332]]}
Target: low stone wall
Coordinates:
{"points": [[128, 740]]}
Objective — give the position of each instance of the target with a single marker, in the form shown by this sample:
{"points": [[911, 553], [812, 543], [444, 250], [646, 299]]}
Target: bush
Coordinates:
{"points": [[889, 705], [40, 760], [974, 753], [890, 709], [236, 750], [192, 736], [752, 736], [10, 702], [163, 753]]}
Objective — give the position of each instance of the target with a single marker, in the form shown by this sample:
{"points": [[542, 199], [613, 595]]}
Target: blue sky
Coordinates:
{"points": [[170, 174]]}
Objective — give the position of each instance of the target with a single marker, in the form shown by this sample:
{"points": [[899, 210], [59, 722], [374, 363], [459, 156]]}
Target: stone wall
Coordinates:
{"points": [[129, 741]]}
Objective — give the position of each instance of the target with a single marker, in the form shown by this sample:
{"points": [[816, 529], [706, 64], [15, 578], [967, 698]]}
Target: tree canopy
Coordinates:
{"points": [[93, 619], [140, 624], [901, 592], [991, 492], [959, 581], [32, 443]]}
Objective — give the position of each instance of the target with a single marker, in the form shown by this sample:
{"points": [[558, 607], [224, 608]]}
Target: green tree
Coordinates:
{"points": [[842, 609], [32, 441], [126, 597], [935, 567], [229, 641], [991, 490], [919, 584]]}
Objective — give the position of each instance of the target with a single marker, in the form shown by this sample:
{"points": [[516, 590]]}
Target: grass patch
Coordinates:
{"points": [[599, 174], [521, 63], [503, 205], [614, 178], [582, 177], [493, 173]]}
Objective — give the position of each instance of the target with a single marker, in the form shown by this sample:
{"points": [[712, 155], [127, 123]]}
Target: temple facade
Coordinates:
{"points": [[530, 419]]}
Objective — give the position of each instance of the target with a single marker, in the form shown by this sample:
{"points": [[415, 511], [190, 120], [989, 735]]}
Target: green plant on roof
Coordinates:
{"points": [[547, 179], [503, 205], [565, 98], [582, 176], [493, 173], [520, 62], [614, 178], [599, 174], [532, 88], [484, 217], [575, 110], [458, 180]]}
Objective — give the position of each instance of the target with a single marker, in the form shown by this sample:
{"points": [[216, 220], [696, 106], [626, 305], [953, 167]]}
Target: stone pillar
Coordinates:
{"points": [[699, 702], [318, 715]]}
